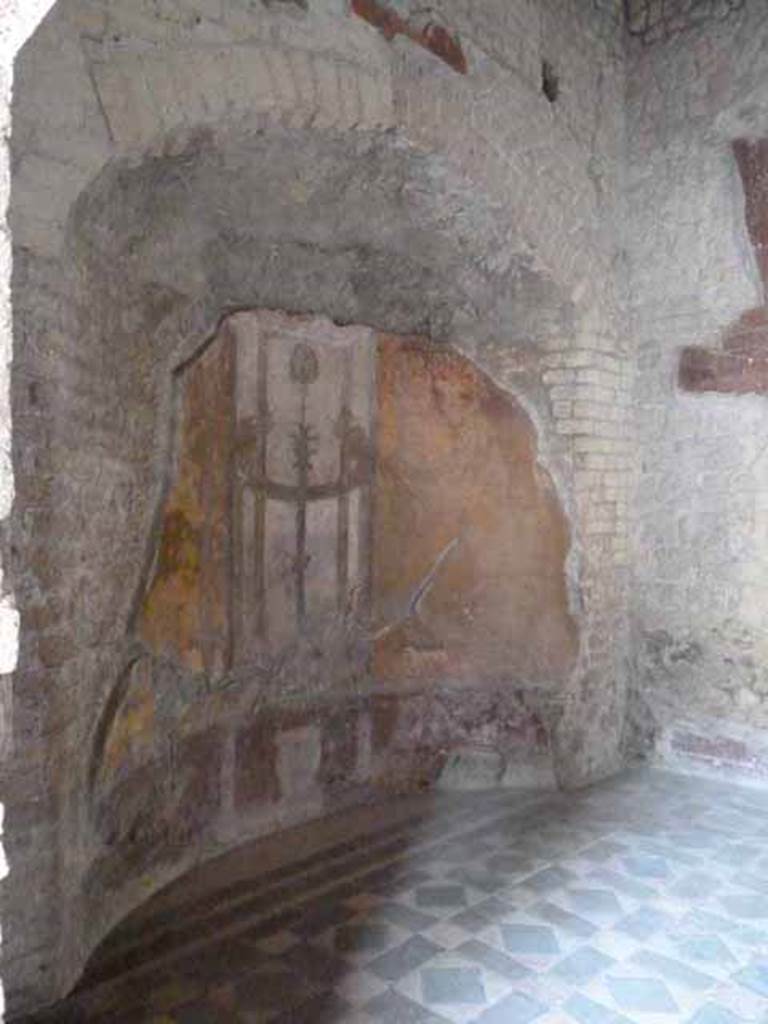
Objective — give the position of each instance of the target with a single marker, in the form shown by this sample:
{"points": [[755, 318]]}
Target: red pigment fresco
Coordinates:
{"points": [[431, 36], [741, 365]]}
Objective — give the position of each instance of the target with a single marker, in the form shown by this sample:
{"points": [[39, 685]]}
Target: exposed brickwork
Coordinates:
{"points": [[696, 224]]}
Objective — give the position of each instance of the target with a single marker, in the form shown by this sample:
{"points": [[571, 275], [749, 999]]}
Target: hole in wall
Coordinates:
{"points": [[550, 83]]}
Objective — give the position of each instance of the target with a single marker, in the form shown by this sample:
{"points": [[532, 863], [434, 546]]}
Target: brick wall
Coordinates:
{"points": [[697, 304]]}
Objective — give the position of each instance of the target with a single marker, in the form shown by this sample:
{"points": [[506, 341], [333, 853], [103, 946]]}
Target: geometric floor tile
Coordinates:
{"points": [[747, 906], [643, 865], [708, 949], [586, 1011], [642, 900], [642, 995], [713, 1014], [486, 956], [517, 1008], [403, 916], [755, 977], [482, 914], [393, 1008], [578, 968], [509, 864], [704, 921], [621, 883], [563, 919], [673, 971], [530, 939], [694, 886], [359, 986], [478, 878], [362, 938], [441, 897], [595, 904], [643, 923], [452, 985], [401, 960], [549, 879]]}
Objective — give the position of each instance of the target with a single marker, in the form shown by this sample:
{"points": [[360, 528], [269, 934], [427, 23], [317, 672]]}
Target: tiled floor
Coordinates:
{"points": [[644, 899]]}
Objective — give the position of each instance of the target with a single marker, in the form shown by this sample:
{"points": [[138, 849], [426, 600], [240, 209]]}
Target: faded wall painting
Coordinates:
{"points": [[469, 537], [266, 526], [348, 515], [324, 472]]}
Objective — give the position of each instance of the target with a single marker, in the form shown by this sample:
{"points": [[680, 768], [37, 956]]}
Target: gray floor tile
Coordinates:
{"points": [[549, 879], [492, 959], [749, 906], [714, 1014], [517, 1008], [622, 884], [707, 949], [441, 897], [451, 985], [755, 977], [563, 919], [586, 1011], [674, 971], [367, 937], [642, 995], [404, 916], [595, 904], [482, 914], [397, 962], [533, 939], [643, 923], [478, 878], [393, 1008], [581, 966]]}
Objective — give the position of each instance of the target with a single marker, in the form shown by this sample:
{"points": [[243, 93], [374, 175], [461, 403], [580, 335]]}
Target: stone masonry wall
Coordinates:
{"points": [[700, 601], [173, 161]]}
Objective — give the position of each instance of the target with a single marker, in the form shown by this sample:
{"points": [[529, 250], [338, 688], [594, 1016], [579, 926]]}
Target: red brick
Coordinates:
{"points": [[703, 369], [720, 748]]}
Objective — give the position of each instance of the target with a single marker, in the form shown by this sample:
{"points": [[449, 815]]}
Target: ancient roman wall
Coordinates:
{"points": [[446, 192], [698, 202]]}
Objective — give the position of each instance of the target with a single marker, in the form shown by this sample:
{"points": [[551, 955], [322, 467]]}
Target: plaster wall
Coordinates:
{"points": [[700, 605], [176, 161]]}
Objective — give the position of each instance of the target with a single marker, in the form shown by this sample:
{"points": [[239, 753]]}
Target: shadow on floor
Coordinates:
{"points": [[645, 898]]}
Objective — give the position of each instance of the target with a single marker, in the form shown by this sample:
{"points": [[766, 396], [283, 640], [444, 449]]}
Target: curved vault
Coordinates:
{"points": [[363, 230]]}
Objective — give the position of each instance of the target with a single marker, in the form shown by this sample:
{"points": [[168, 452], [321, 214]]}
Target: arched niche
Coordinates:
{"points": [[145, 242]]}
